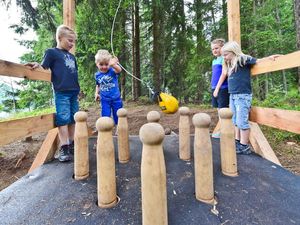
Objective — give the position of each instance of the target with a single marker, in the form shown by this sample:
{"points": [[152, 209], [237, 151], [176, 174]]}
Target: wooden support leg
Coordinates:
{"points": [[47, 149]]}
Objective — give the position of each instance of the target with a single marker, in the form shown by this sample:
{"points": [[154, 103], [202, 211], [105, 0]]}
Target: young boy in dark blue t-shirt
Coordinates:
{"points": [[107, 87], [64, 78]]}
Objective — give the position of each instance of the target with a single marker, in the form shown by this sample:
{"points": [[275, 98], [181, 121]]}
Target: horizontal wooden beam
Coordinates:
{"points": [[281, 63], [261, 145], [15, 129], [287, 120], [18, 70]]}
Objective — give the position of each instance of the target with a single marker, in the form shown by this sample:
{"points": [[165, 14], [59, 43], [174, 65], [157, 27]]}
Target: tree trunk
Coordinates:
{"points": [[123, 55], [157, 35], [137, 48], [200, 47], [278, 20], [133, 80]]}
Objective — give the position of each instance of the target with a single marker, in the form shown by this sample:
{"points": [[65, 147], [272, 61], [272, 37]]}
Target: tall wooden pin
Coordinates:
{"points": [[153, 117], [184, 134], [227, 144], [106, 171], [203, 159], [81, 149], [153, 175], [123, 136]]}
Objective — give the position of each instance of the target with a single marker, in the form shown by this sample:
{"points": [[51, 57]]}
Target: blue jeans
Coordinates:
{"points": [[240, 105], [109, 105], [66, 104]]}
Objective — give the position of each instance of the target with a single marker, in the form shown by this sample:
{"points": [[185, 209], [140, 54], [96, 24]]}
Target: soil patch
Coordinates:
{"points": [[16, 158]]}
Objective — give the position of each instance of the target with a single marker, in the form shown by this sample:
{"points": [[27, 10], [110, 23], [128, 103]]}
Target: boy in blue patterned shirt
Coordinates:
{"points": [[107, 87]]}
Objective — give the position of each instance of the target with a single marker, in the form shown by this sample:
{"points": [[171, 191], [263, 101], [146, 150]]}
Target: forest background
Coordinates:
{"points": [[166, 43]]}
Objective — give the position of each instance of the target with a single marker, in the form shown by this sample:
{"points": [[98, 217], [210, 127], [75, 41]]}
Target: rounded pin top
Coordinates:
{"points": [[184, 110], [80, 116], [122, 112], [153, 116], [152, 133], [225, 113], [201, 120], [104, 124]]}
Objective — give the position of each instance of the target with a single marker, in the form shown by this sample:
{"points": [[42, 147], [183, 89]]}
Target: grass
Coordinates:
{"points": [[36, 112]]}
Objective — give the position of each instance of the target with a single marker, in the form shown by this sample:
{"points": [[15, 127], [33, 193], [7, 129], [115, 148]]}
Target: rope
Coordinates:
{"points": [[113, 53]]}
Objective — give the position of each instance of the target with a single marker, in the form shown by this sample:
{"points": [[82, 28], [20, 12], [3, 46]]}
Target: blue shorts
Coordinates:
{"points": [[240, 105], [66, 104], [111, 106], [222, 100]]}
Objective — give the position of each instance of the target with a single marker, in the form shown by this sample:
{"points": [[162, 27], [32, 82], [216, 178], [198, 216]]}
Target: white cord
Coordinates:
{"points": [[113, 53]]}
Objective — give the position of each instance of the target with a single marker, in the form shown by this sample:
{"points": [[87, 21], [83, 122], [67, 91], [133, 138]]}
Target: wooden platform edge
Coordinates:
{"points": [[260, 144], [47, 150]]}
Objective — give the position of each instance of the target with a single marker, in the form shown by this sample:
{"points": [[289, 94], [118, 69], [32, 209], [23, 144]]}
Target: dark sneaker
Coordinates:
{"points": [[245, 149], [71, 148], [64, 155], [237, 147]]}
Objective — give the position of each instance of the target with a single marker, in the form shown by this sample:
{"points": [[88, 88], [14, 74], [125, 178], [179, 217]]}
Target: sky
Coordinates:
{"points": [[10, 50]]}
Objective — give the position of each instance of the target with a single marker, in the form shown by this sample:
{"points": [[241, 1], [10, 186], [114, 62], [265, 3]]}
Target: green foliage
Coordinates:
{"points": [[275, 136], [278, 99]]}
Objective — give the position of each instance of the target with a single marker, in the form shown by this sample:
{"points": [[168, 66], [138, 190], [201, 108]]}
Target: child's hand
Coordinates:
{"points": [[97, 97], [114, 61], [273, 57], [33, 65], [215, 93]]}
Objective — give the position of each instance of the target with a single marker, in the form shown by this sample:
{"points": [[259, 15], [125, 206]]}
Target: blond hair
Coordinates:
{"points": [[219, 41], [239, 58], [62, 31], [102, 56]]}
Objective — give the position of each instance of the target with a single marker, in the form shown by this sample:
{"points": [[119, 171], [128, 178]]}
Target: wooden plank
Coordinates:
{"points": [[261, 145], [287, 120], [234, 30], [18, 70], [282, 62], [69, 16], [217, 128], [47, 149], [14, 129]]}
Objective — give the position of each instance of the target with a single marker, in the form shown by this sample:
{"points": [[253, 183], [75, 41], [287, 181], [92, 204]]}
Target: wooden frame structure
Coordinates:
{"points": [[282, 119]]}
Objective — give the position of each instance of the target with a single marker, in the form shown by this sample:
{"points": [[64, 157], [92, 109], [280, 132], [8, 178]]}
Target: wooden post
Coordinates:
{"points": [[153, 117], [184, 134], [227, 144], [81, 147], [69, 16], [234, 29], [153, 175], [203, 159], [106, 171], [123, 137]]}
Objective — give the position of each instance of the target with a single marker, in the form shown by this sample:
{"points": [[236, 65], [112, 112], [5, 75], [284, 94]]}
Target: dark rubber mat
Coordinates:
{"points": [[263, 193]]}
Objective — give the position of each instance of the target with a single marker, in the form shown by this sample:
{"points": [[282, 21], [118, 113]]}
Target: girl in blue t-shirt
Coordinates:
{"points": [[107, 87], [222, 100], [237, 67]]}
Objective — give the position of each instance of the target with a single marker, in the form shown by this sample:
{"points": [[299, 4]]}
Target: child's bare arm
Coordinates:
{"points": [[220, 82], [271, 57], [114, 63], [97, 97]]}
